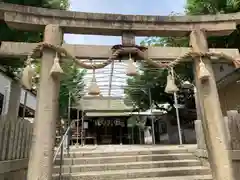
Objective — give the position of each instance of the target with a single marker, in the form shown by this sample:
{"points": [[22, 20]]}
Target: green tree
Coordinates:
{"points": [[73, 78], [9, 34], [153, 81], [184, 71], [195, 7], [71, 82]]}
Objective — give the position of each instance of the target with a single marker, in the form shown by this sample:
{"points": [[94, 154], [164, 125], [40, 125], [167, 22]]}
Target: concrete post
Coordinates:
{"points": [[128, 38], [196, 94], [14, 100], [200, 135], [213, 121], [12, 103], [41, 155]]}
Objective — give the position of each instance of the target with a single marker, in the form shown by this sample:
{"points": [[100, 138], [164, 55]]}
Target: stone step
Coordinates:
{"points": [[125, 159], [130, 165], [136, 173], [123, 148], [201, 177], [122, 153], [81, 148]]}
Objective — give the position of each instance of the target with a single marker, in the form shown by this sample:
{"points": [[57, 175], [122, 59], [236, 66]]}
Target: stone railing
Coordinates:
{"points": [[232, 124], [15, 138]]}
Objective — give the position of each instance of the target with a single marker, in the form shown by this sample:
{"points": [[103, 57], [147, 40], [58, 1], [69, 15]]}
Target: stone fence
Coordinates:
{"points": [[15, 138], [232, 124]]}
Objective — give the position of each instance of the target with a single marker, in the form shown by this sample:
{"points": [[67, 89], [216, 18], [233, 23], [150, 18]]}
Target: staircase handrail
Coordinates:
{"points": [[62, 140]]}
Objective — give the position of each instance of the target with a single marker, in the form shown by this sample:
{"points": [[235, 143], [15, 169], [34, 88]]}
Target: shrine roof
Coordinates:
{"points": [[103, 104]]}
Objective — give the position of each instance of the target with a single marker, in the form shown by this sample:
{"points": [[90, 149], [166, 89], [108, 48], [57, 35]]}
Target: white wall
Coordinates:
{"points": [[31, 99], [5, 83]]}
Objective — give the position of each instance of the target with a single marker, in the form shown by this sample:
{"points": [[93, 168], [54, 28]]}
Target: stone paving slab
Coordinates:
{"points": [[126, 162], [110, 150], [137, 173], [79, 154], [124, 148], [202, 177], [126, 159], [130, 165]]}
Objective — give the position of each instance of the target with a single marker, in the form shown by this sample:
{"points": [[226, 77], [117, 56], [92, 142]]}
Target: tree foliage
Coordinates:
{"points": [[8, 34], [72, 81], [193, 7], [154, 81]]}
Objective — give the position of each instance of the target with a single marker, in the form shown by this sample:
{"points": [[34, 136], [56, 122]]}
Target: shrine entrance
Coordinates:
{"points": [[52, 52], [101, 131], [110, 130]]}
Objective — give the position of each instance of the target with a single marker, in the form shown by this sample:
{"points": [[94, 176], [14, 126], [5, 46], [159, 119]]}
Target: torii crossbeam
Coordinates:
{"points": [[56, 22], [32, 19], [100, 52]]}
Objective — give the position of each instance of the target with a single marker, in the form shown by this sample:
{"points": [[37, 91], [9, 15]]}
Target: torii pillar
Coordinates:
{"points": [[212, 118], [42, 149]]}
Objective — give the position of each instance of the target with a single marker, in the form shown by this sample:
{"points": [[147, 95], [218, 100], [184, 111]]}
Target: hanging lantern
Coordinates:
{"points": [[203, 71], [171, 87], [94, 88], [27, 75], [56, 68], [131, 69]]}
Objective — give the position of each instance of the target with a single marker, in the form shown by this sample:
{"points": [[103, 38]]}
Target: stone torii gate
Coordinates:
{"points": [[56, 22]]}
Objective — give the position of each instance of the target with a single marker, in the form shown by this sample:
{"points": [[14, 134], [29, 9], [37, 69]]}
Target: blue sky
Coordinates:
{"points": [[144, 7]]}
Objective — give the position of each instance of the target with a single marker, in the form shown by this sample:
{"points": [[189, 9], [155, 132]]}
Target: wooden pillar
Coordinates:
{"points": [[213, 121], [41, 155]]}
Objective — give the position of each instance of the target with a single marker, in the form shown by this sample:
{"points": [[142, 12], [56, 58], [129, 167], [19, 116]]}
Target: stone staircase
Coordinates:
{"points": [[149, 163]]}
